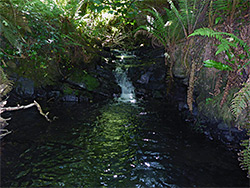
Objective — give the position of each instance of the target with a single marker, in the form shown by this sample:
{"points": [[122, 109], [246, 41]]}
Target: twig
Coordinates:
{"points": [[25, 107], [16, 108], [4, 134], [41, 111]]}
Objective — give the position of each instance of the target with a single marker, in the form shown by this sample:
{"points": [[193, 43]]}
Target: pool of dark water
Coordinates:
{"points": [[113, 144]]}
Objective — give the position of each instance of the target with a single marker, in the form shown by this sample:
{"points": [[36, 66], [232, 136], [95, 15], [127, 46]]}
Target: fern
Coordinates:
{"points": [[5, 84], [163, 31], [241, 100], [220, 36], [218, 65], [10, 20], [189, 14], [245, 155], [227, 9]]}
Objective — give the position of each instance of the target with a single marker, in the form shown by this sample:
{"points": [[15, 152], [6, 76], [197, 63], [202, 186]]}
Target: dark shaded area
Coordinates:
{"points": [[114, 144]]}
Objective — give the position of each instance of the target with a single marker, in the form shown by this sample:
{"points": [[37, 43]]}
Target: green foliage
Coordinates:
{"points": [[235, 63], [245, 155], [176, 24], [210, 106], [91, 82], [165, 31], [221, 10], [226, 45], [218, 65], [5, 84], [12, 23], [240, 103], [68, 90], [189, 13]]}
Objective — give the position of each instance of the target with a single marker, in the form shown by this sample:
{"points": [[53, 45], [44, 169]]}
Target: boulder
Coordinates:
{"points": [[25, 88]]}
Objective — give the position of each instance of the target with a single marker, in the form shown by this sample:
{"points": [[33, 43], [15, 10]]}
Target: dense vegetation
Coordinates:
{"points": [[47, 40]]}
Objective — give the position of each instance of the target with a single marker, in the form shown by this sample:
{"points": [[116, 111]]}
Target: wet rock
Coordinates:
{"points": [[158, 95], [140, 92], [182, 106], [179, 72], [102, 72], [234, 130], [159, 74], [83, 99], [229, 137], [145, 78], [223, 126], [70, 98], [25, 88], [41, 93], [53, 94]]}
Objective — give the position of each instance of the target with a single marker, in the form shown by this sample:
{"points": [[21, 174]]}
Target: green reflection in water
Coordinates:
{"points": [[102, 153]]}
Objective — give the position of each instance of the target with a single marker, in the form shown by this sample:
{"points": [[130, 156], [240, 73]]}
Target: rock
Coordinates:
{"points": [[25, 88], [83, 99], [70, 98], [229, 137], [53, 94], [182, 106], [235, 130], [145, 78], [223, 126], [158, 74], [158, 95]]}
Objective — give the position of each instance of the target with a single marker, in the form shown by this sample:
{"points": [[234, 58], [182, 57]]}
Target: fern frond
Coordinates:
{"points": [[245, 155], [241, 100], [178, 16], [156, 27], [220, 36], [5, 84], [155, 42]]}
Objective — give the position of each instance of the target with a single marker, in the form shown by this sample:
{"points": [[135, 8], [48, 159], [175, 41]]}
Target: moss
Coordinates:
{"points": [[91, 82], [83, 77], [68, 91]]}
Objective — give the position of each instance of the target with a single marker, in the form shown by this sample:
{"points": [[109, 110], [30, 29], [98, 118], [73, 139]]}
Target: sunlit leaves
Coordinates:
{"points": [[218, 65]]}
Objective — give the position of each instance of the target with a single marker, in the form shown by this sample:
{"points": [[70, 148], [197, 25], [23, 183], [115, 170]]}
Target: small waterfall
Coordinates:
{"points": [[128, 94]]}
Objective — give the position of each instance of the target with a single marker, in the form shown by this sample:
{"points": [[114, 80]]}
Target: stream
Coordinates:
{"points": [[124, 142]]}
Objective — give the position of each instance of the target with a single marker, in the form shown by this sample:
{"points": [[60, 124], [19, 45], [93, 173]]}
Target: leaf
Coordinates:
{"points": [[218, 65], [217, 20]]}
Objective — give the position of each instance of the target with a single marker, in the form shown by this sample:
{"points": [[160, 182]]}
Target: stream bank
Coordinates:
{"points": [[147, 72], [121, 142], [150, 82]]}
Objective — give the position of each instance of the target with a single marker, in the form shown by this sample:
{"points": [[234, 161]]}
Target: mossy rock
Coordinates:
{"points": [[91, 82], [68, 90], [83, 77]]}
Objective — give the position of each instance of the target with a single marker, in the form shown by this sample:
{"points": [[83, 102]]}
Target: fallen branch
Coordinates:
{"points": [[4, 132], [41, 111], [18, 107], [3, 122]]}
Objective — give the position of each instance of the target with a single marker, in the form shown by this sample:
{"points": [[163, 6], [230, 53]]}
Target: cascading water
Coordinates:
{"points": [[128, 94]]}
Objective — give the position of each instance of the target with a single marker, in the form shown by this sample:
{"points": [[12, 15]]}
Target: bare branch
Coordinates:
{"points": [[16, 108]]}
